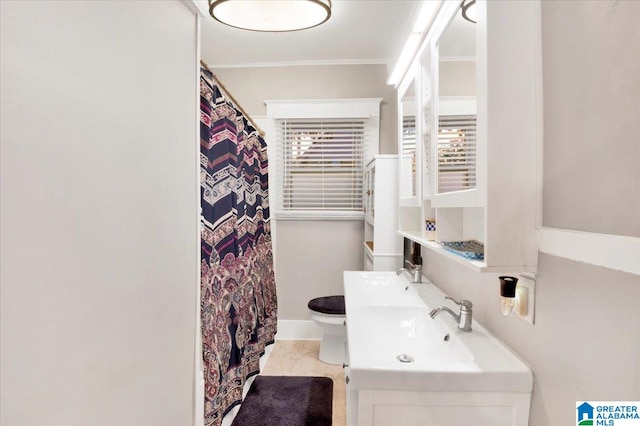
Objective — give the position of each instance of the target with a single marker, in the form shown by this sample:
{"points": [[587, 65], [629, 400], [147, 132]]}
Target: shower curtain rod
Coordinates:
{"points": [[260, 131]]}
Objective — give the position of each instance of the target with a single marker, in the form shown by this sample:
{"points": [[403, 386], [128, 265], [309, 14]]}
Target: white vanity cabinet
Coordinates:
{"points": [[407, 368], [477, 125], [391, 408], [382, 244]]}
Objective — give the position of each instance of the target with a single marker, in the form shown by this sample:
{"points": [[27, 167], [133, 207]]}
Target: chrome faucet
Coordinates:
{"points": [[463, 318], [414, 270]]}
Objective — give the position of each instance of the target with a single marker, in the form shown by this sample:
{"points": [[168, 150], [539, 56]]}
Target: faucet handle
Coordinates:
{"points": [[465, 305], [413, 267]]}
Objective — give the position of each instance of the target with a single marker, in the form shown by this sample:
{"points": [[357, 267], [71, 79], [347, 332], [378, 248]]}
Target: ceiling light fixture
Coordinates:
{"points": [[271, 15], [469, 10]]}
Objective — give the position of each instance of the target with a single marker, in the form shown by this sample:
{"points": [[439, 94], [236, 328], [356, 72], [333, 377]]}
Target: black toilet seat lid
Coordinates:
{"points": [[333, 305]]}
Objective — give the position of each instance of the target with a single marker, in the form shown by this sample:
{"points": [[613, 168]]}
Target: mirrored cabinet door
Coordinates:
{"points": [[408, 149], [456, 81]]}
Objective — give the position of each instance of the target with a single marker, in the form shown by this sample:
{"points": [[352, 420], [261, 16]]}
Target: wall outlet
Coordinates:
{"points": [[526, 297]]}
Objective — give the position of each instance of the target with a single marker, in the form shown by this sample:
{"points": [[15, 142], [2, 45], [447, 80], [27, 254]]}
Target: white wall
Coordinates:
{"points": [[591, 173], [99, 236], [457, 78], [311, 256]]}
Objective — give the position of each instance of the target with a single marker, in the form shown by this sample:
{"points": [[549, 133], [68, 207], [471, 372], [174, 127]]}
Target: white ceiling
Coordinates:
{"points": [[359, 31]]}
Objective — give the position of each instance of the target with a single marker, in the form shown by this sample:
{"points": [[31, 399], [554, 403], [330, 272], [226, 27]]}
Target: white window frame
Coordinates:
{"points": [[368, 108]]}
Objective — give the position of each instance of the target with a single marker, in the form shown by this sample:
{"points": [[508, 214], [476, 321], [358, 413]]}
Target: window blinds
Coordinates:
{"points": [[321, 164], [456, 153], [409, 146]]}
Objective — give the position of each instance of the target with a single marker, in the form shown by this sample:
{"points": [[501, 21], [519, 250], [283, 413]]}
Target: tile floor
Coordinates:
{"points": [[300, 358]]}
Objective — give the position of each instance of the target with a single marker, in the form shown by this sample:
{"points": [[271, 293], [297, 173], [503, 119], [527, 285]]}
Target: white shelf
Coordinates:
{"points": [[372, 253], [367, 249], [476, 265]]}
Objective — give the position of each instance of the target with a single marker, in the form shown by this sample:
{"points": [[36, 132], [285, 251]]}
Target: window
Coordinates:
{"points": [[321, 148], [409, 147], [456, 153], [323, 163], [457, 144]]}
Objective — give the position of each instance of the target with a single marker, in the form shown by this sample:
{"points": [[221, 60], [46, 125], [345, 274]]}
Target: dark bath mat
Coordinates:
{"points": [[287, 401]]}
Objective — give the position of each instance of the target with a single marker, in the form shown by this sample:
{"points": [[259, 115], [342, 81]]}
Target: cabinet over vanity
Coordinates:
{"points": [[469, 126]]}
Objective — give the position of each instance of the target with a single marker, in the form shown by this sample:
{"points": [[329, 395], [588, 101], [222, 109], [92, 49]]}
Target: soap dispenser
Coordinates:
{"points": [[416, 257], [416, 262]]}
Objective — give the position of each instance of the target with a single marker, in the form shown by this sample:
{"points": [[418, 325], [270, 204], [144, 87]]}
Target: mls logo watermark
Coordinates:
{"points": [[608, 413]]}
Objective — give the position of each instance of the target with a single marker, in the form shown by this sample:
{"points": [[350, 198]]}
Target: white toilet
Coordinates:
{"points": [[329, 313]]}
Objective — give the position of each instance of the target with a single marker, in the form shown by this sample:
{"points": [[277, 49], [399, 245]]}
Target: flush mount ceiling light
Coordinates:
{"points": [[469, 10], [271, 15]]}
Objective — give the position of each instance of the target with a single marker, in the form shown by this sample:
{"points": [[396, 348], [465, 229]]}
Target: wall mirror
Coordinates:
{"points": [[408, 169], [456, 106]]}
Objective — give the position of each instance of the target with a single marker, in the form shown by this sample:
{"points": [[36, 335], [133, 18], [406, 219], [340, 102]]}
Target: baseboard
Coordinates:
{"points": [[298, 330], [199, 397]]}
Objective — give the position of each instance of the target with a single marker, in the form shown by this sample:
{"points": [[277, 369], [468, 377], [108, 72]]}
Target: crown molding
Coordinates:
{"points": [[199, 7], [321, 62]]}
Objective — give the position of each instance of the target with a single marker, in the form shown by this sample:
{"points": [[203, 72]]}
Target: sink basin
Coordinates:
{"points": [[407, 330], [383, 289], [394, 344]]}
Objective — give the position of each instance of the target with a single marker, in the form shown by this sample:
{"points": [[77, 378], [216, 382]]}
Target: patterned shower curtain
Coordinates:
{"points": [[238, 300]]}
